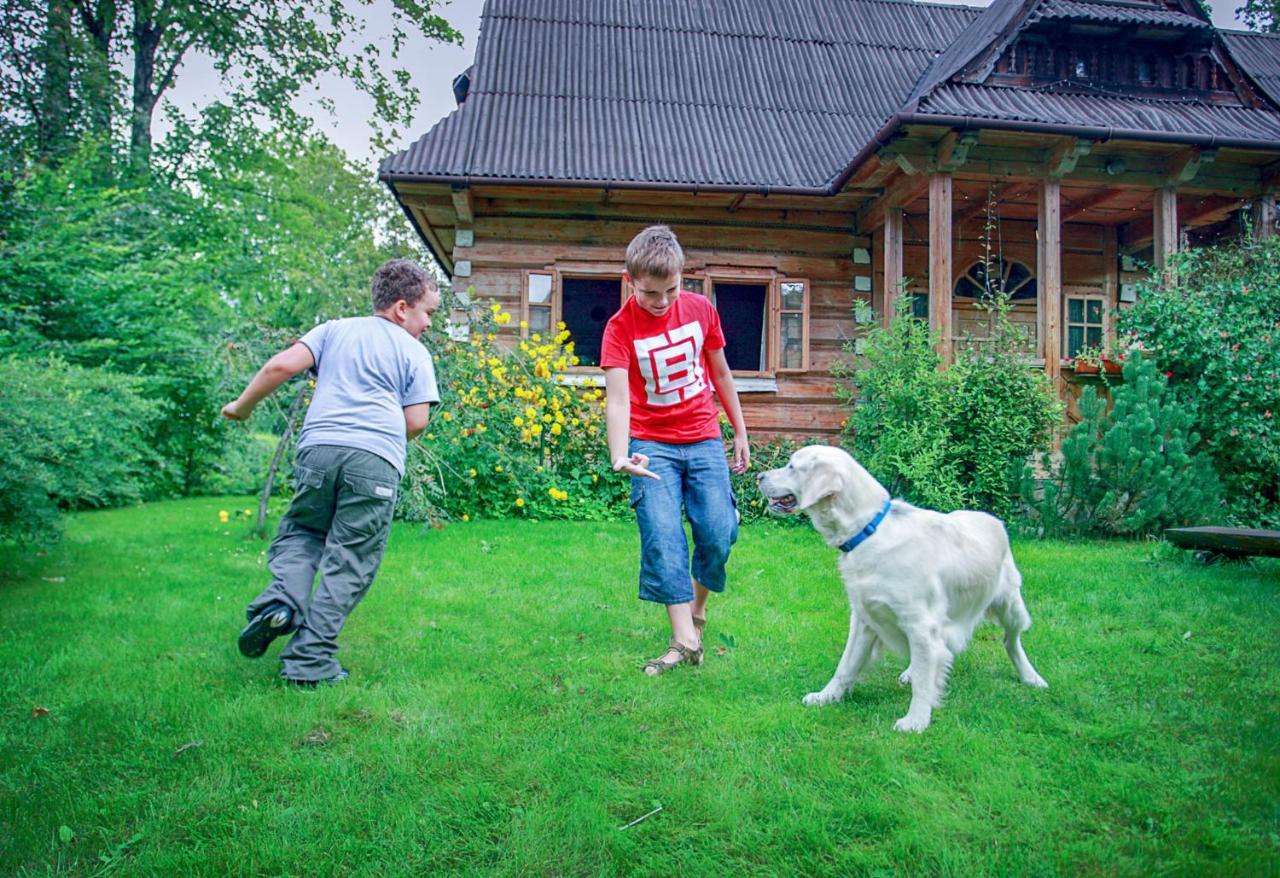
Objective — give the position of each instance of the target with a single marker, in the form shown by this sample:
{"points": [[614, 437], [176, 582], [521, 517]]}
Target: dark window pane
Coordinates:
{"points": [[792, 341], [920, 306], [1028, 291], [694, 285], [1018, 273], [967, 288], [1075, 340], [741, 308], [586, 305], [1094, 336], [1075, 310], [1095, 311]]}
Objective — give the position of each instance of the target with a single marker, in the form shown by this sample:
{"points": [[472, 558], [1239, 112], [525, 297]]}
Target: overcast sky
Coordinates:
{"points": [[432, 69]]}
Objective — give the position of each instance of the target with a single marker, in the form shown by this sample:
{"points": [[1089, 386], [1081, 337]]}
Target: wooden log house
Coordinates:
{"points": [[814, 153]]}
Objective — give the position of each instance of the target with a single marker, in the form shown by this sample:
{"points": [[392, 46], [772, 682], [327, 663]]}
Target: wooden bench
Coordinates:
{"points": [[1227, 542]]}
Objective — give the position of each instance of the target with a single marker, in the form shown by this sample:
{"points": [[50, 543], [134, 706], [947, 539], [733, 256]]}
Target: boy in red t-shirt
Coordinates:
{"points": [[658, 353]]}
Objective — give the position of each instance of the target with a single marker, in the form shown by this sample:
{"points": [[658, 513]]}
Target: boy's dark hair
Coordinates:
{"points": [[398, 279], [655, 252]]}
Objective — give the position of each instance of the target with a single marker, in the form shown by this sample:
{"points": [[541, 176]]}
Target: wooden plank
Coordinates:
{"points": [[940, 261], [1049, 273], [1231, 541], [892, 260]]}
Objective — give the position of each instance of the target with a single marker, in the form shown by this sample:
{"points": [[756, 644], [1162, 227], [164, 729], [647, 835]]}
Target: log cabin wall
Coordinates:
{"points": [[518, 230]]}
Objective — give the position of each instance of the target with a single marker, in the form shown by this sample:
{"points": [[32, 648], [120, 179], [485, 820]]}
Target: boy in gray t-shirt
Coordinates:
{"points": [[375, 383]]}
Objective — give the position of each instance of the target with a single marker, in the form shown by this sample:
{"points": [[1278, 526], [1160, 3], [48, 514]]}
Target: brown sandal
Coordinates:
{"points": [[700, 624], [686, 655]]}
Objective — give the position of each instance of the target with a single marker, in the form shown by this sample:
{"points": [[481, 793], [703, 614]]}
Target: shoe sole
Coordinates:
{"points": [[257, 636]]}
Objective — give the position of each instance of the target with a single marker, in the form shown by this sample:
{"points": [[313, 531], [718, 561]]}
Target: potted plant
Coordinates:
{"points": [[1087, 361]]}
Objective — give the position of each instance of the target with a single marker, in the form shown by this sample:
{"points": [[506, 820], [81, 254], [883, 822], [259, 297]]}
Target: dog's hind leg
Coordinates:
{"points": [[857, 652], [1012, 615]]}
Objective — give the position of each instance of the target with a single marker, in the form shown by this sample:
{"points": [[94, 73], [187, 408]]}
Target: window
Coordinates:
{"points": [[583, 300], [983, 281], [538, 301], [1084, 324], [742, 308], [694, 284], [793, 325]]}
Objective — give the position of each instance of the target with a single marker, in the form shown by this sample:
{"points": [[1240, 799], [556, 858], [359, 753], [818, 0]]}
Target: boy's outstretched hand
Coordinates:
{"points": [[741, 455], [636, 465]]}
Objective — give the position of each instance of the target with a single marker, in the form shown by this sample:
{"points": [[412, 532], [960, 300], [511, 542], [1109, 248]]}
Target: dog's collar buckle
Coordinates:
{"points": [[857, 539]]}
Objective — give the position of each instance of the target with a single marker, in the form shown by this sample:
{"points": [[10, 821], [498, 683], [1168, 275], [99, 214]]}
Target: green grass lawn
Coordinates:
{"points": [[496, 721]]}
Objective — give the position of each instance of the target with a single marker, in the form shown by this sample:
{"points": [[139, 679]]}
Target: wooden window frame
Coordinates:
{"points": [[803, 311], [552, 302], [1085, 296], [592, 271]]}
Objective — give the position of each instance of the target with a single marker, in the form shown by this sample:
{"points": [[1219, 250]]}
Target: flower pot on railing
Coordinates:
{"points": [[1083, 368], [1112, 367]]}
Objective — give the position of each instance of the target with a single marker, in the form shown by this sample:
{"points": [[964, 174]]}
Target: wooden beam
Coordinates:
{"points": [[1164, 225], [462, 204], [1008, 192], [940, 262], [1110, 281], [900, 193], [737, 202], [953, 149], [1049, 277], [1063, 158], [1092, 203], [1141, 232], [893, 217], [1184, 166]]}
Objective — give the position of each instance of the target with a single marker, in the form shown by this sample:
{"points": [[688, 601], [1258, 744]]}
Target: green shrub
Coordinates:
{"points": [[508, 439], [69, 438], [946, 438], [1212, 326], [1129, 471]]}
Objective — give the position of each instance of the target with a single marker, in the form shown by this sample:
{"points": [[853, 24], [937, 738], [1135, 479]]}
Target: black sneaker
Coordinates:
{"points": [[311, 684], [265, 627]]}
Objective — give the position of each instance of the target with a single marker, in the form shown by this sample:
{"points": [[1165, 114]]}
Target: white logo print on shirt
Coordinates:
{"points": [[671, 364]]}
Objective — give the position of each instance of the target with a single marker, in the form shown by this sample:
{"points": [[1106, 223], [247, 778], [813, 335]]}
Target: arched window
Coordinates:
{"points": [[1012, 278]]}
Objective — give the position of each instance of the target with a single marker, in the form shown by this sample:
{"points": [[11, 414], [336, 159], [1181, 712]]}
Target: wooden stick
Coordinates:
{"points": [[640, 818]]}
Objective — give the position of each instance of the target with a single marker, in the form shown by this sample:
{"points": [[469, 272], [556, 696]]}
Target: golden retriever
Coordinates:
{"points": [[918, 581]]}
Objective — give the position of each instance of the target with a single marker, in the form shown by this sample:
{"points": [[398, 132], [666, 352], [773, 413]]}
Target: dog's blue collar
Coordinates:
{"points": [[857, 539]]}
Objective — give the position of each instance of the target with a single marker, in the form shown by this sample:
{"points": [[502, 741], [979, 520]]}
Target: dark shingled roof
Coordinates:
{"points": [[1259, 55], [1115, 13], [772, 94], [747, 94]]}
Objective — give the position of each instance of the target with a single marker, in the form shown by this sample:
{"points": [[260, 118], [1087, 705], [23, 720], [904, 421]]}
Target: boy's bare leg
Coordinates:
{"points": [[699, 607]]}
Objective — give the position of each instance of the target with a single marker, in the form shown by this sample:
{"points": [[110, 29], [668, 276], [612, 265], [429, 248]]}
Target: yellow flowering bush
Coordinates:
{"points": [[510, 438]]}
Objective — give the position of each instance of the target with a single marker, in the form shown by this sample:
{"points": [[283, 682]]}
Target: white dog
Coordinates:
{"points": [[919, 582]]}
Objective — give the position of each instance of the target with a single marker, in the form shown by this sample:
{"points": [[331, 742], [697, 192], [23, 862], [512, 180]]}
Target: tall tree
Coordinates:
{"points": [[1260, 15]]}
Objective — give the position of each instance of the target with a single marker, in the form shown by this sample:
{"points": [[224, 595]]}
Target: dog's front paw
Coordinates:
{"points": [[904, 679], [911, 723], [1035, 680], [824, 697]]}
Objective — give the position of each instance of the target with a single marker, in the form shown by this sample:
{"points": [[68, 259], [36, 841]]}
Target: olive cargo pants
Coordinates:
{"points": [[337, 525]]}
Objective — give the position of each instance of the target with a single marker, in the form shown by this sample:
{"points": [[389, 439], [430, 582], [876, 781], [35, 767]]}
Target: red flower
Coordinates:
{"points": [[1168, 374]]}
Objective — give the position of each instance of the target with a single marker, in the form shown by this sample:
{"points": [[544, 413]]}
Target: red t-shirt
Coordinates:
{"points": [[665, 358]]}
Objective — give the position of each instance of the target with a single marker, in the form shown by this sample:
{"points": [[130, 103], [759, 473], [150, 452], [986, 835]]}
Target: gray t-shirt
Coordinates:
{"points": [[368, 370]]}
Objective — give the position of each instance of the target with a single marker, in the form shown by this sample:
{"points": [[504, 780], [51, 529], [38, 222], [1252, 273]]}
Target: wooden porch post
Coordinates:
{"points": [[892, 260], [1263, 211], [940, 261], [1049, 274], [1164, 225]]}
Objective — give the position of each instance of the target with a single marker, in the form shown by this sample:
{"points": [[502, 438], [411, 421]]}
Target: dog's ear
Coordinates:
{"points": [[818, 478]]}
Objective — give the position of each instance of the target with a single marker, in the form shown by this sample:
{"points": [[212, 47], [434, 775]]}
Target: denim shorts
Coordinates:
{"points": [[695, 482]]}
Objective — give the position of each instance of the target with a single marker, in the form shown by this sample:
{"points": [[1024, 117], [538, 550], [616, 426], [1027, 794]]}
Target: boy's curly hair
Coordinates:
{"points": [[398, 279], [655, 252]]}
